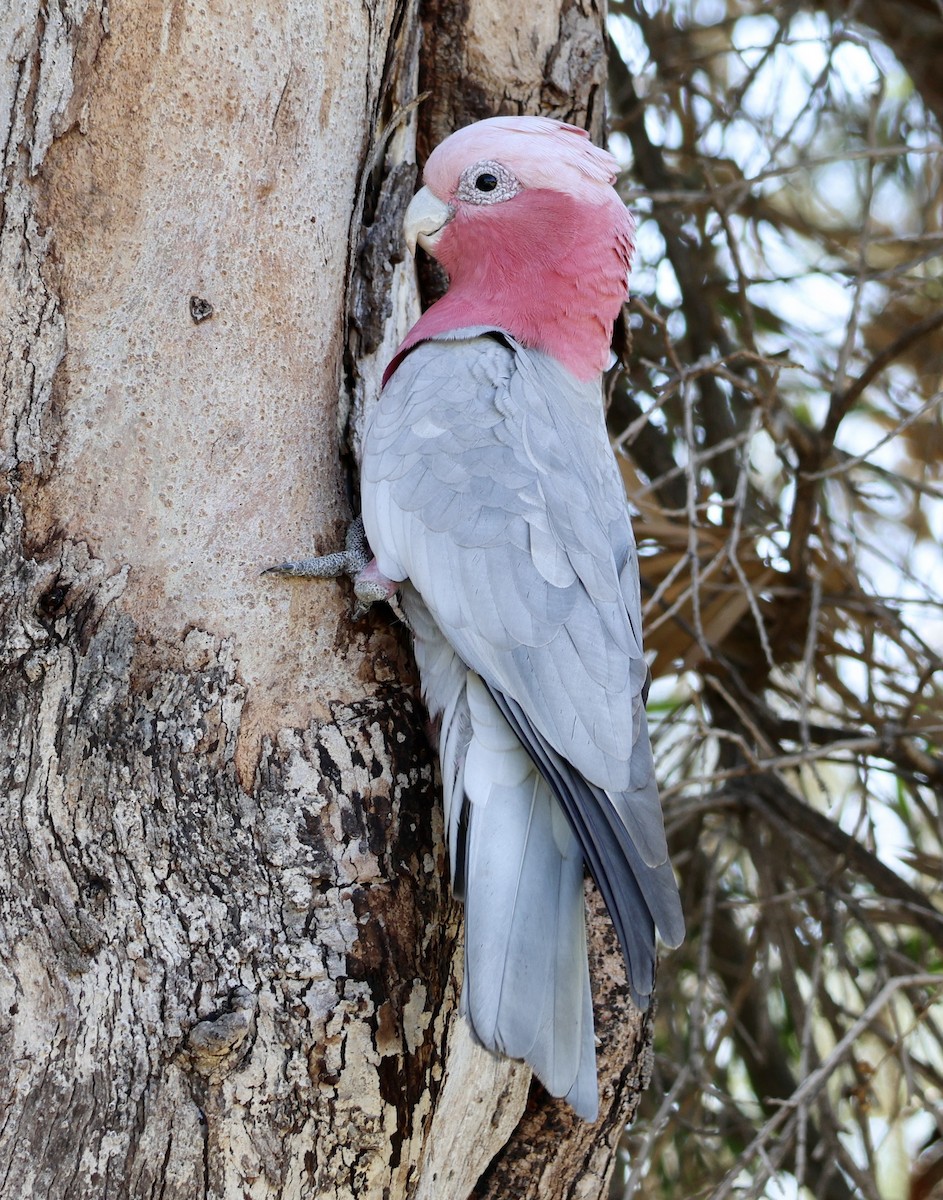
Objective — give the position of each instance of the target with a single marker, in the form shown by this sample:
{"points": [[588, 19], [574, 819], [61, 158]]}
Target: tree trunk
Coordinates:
{"points": [[228, 958]]}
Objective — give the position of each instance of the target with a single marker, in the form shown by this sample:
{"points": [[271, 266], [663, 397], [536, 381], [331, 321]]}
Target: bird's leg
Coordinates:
{"points": [[355, 560]]}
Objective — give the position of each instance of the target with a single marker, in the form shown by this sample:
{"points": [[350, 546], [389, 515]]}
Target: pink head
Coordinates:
{"points": [[522, 214]]}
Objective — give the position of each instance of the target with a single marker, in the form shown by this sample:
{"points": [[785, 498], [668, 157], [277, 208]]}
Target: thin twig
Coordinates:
{"points": [[817, 1080]]}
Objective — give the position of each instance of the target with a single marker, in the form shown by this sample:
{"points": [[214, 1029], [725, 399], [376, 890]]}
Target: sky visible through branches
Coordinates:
{"points": [[777, 411]]}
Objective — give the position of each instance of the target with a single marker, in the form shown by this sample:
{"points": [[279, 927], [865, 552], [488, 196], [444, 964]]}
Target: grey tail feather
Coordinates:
{"points": [[583, 1096], [526, 991], [635, 894]]}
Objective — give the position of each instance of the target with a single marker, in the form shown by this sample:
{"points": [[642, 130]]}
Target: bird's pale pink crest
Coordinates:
{"points": [[549, 265]]}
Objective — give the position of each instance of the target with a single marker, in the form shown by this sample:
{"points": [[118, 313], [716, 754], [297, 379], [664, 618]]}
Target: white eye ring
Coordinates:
{"points": [[486, 182]]}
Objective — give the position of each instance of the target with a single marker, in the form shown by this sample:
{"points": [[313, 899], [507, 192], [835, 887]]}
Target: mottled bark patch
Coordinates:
{"points": [[240, 961]]}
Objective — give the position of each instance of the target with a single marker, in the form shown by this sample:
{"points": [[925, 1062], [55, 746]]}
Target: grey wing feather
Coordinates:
{"points": [[639, 898], [525, 616], [444, 678]]}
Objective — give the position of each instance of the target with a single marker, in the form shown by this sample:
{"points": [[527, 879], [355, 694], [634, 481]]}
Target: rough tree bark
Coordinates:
{"points": [[228, 959]]}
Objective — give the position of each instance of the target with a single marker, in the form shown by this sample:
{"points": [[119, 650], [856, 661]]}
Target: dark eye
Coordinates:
{"points": [[485, 182]]}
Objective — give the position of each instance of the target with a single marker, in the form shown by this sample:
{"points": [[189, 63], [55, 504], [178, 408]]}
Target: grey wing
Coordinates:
{"points": [[489, 483]]}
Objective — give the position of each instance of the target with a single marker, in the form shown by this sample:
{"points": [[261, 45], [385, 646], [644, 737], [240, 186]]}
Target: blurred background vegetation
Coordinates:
{"points": [[777, 411]]}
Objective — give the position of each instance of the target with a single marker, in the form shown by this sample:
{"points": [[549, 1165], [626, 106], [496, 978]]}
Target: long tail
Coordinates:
{"points": [[527, 989], [520, 823]]}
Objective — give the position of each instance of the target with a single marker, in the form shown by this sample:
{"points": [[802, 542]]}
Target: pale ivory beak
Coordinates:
{"points": [[426, 215]]}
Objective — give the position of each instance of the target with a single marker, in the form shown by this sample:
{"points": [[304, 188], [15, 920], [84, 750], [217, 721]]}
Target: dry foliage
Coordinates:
{"points": [[778, 416]]}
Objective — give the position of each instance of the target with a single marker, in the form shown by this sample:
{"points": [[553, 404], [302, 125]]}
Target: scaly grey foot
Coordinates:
{"points": [[355, 560]]}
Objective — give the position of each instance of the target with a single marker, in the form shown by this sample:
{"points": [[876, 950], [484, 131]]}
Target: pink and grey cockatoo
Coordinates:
{"points": [[492, 500]]}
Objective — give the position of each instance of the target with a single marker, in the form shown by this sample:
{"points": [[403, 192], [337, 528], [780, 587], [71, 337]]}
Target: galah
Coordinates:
{"points": [[492, 501]]}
